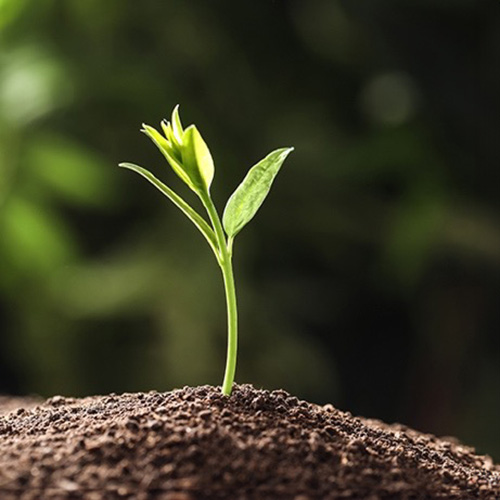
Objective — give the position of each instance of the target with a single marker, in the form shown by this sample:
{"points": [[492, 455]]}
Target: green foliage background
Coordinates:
{"points": [[370, 278]]}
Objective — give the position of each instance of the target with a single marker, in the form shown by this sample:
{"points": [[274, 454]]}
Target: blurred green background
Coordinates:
{"points": [[371, 277]]}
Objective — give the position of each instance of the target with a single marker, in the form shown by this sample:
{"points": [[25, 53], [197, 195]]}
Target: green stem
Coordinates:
{"points": [[226, 265], [232, 327]]}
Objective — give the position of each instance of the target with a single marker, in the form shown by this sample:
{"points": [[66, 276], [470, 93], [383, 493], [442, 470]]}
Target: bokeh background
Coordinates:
{"points": [[371, 277]]}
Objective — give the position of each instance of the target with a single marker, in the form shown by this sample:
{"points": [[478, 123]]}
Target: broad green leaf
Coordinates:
{"points": [[192, 215], [197, 159], [251, 193]]}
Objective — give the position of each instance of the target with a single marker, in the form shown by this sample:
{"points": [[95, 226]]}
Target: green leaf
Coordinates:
{"points": [[192, 215], [168, 152], [251, 193], [197, 159], [177, 125], [169, 133]]}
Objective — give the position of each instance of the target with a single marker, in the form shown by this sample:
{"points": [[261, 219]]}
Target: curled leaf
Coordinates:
{"points": [[177, 129], [185, 151], [197, 159]]}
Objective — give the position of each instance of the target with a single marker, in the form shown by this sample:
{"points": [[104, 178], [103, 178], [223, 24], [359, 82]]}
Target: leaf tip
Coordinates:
{"points": [[190, 129], [127, 166]]}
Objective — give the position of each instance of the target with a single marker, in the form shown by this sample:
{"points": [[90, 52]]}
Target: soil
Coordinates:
{"points": [[196, 444], [11, 403]]}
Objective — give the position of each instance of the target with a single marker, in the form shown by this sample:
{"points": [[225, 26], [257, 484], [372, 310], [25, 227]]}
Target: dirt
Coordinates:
{"points": [[195, 444], [11, 403]]}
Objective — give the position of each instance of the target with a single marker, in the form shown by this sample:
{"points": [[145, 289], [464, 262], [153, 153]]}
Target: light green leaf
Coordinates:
{"points": [[177, 125], [168, 152], [192, 215], [251, 193], [197, 159], [169, 133], [160, 141]]}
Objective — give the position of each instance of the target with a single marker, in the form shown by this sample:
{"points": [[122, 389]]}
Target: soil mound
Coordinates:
{"points": [[11, 403], [195, 444]]}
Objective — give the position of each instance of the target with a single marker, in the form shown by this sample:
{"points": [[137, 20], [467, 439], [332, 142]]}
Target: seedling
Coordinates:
{"points": [[189, 156]]}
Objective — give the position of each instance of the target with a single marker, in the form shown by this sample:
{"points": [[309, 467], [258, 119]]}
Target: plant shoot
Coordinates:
{"points": [[189, 157]]}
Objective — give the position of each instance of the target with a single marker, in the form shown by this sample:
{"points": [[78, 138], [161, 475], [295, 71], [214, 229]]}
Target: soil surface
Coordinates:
{"points": [[194, 443], [11, 403]]}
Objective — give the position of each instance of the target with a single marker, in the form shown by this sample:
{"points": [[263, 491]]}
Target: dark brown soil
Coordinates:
{"points": [[195, 444]]}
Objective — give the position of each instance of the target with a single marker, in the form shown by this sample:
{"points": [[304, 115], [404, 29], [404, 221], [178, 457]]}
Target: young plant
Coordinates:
{"points": [[188, 155]]}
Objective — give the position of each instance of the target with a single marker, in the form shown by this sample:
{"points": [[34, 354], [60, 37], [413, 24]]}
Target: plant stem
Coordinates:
{"points": [[226, 265], [232, 326]]}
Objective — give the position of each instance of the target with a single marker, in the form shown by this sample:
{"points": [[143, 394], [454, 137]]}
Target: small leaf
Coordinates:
{"points": [[251, 193], [168, 152], [167, 130], [197, 159], [160, 141], [192, 215], [177, 125]]}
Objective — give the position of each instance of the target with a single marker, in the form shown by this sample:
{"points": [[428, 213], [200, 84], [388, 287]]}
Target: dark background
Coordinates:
{"points": [[371, 277]]}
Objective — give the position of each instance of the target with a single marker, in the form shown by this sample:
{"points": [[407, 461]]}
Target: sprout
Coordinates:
{"points": [[189, 156]]}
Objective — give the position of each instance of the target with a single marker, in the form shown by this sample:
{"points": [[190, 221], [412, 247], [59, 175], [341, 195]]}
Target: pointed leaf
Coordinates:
{"points": [[251, 193], [177, 125], [160, 141], [197, 159], [167, 130], [168, 152], [192, 215]]}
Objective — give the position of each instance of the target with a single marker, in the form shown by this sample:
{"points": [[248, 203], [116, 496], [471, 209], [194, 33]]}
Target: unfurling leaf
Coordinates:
{"points": [[196, 158], [185, 151], [177, 129], [169, 152], [251, 193]]}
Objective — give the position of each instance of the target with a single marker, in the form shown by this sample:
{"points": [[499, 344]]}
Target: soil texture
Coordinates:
{"points": [[11, 403], [196, 444]]}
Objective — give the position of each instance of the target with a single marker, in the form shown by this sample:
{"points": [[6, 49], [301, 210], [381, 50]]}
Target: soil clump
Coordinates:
{"points": [[196, 444]]}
